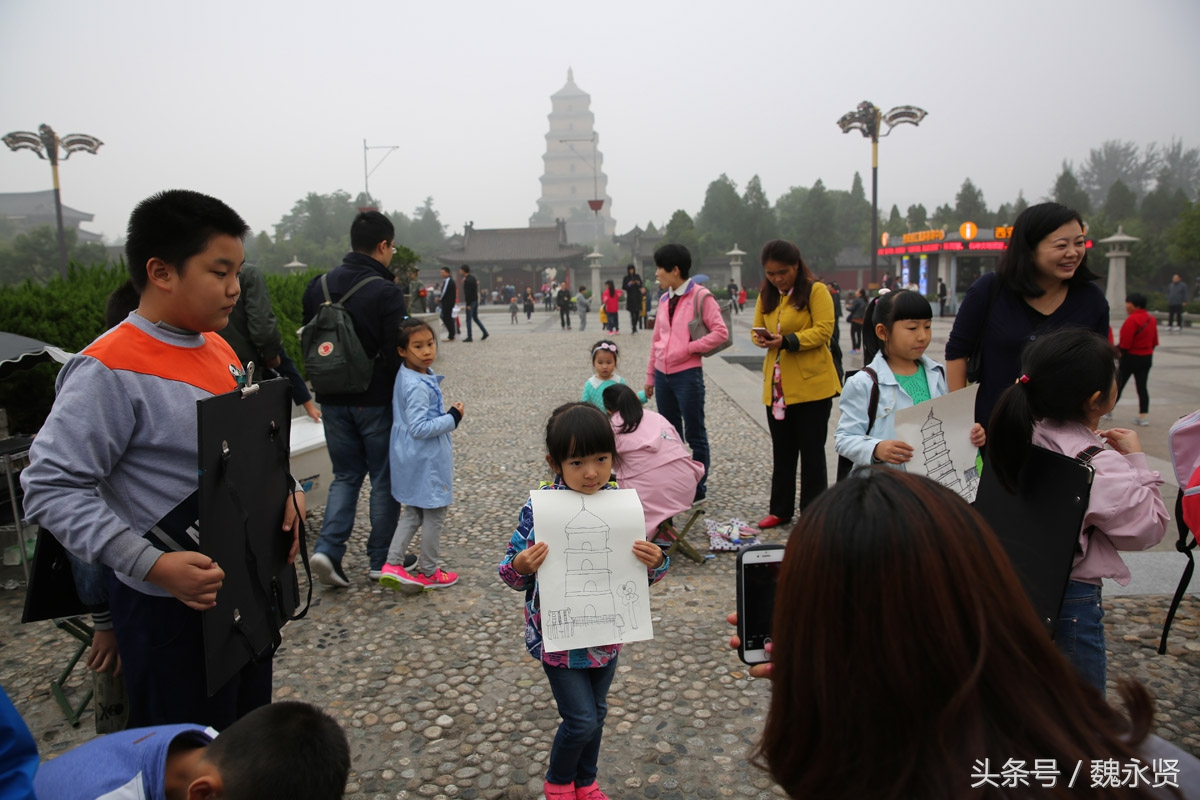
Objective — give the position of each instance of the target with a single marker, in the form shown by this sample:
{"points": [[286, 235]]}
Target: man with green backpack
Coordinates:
{"points": [[351, 315]]}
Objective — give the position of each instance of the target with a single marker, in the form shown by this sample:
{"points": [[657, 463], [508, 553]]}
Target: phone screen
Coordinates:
{"points": [[758, 581]]}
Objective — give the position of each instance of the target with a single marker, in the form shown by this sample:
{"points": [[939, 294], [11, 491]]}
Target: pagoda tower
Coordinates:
{"points": [[572, 173]]}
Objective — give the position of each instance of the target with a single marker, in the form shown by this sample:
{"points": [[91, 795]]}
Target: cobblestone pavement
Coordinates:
{"points": [[436, 691]]}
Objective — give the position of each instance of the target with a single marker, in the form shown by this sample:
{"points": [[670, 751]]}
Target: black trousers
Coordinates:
{"points": [[1139, 368], [802, 434], [448, 319]]}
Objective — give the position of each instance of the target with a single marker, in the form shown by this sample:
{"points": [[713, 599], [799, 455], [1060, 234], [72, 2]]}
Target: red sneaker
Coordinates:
{"points": [[437, 580], [589, 792], [393, 576], [559, 791]]}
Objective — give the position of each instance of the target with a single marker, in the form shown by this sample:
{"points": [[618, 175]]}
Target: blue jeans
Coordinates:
{"points": [[681, 400], [582, 698], [1080, 632], [473, 311], [358, 439]]}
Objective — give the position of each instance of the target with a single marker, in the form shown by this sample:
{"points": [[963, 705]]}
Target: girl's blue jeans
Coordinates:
{"points": [[1080, 632], [582, 697]]}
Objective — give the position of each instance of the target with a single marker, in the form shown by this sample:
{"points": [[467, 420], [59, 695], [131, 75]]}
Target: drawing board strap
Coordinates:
{"points": [[593, 590], [244, 483]]}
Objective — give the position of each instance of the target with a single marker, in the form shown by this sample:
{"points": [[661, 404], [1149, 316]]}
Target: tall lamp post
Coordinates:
{"points": [[867, 119], [46, 144]]}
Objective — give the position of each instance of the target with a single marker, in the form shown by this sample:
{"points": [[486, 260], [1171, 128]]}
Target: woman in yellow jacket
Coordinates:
{"points": [[793, 321]]}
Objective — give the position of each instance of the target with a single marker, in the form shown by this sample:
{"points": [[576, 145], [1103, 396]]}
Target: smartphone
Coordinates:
{"points": [[757, 573], [760, 332]]}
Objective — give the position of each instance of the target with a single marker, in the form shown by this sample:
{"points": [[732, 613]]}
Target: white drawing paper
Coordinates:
{"points": [[939, 431], [593, 589]]}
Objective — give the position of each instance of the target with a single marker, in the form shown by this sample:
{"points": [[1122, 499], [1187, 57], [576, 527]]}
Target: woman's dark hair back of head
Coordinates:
{"points": [[610, 286], [887, 310], [1016, 268], [620, 399], [577, 430], [284, 749], [904, 646], [784, 252], [1064, 369], [407, 328], [1137, 300], [174, 226]]}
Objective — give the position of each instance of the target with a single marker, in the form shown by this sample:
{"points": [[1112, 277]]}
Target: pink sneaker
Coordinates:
{"points": [[394, 576], [589, 792], [437, 580], [558, 791]]}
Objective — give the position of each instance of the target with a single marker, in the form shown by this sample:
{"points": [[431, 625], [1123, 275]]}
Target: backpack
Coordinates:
{"points": [[1184, 441], [697, 329], [333, 355], [844, 465]]}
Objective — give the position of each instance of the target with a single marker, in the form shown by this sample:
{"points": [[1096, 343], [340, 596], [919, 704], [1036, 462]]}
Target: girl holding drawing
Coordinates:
{"points": [[899, 325], [580, 449], [1068, 383]]}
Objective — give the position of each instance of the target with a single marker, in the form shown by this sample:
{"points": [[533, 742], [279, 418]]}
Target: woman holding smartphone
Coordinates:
{"points": [[793, 321]]}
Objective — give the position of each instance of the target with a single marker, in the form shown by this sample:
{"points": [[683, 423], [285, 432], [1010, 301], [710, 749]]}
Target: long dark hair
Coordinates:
{"points": [[1059, 374], [620, 399], [887, 310], [788, 254], [577, 430], [905, 649], [1016, 269]]}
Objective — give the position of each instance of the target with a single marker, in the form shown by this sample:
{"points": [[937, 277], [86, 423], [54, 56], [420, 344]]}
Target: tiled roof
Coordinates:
{"points": [[38, 204], [512, 246]]}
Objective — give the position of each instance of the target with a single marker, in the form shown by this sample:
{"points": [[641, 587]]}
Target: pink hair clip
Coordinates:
{"points": [[1023, 379], [604, 346]]}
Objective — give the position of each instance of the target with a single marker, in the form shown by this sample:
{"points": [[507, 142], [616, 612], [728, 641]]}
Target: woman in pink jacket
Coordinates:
{"points": [[674, 370], [1068, 383], [652, 458]]}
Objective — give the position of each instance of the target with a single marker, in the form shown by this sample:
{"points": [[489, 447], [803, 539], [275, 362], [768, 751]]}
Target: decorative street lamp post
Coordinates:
{"points": [[46, 144], [866, 119], [735, 265]]}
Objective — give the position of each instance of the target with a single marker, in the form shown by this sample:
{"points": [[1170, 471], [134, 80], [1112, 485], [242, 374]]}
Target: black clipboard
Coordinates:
{"points": [[1039, 526], [244, 482], [51, 593]]}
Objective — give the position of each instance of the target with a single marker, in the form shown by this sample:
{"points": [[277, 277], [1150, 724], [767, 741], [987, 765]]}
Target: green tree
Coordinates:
{"points": [[943, 217], [1023, 204], [720, 218], [1068, 192], [1182, 168], [1120, 203], [917, 218], [1184, 239], [789, 212], [681, 230], [1117, 160], [1163, 206], [818, 238], [854, 216], [969, 205], [33, 255], [895, 226], [758, 225]]}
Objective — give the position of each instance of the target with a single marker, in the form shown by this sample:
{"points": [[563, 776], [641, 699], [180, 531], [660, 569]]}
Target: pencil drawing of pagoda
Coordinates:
{"points": [[589, 590], [938, 464]]}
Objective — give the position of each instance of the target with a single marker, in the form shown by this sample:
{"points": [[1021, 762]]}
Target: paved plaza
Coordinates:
{"points": [[435, 690]]}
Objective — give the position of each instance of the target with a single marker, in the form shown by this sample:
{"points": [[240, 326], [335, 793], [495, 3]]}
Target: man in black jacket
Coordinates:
{"points": [[358, 426], [447, 299], [471, 299]]}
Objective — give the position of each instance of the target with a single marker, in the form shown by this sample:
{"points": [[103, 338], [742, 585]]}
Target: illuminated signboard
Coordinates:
{"points": [[1003, 232], [922, 236], [948, 247]]}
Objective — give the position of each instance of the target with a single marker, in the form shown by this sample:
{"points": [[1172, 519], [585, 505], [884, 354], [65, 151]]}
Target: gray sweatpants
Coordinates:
{"points": [[430, 520]]}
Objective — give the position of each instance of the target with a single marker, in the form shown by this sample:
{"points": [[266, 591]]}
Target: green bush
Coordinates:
{"points": [[70, 314]]}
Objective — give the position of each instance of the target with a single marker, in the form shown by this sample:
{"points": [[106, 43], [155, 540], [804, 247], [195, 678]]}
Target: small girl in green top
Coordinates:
{"points": [[899, 325], [604, 362]]}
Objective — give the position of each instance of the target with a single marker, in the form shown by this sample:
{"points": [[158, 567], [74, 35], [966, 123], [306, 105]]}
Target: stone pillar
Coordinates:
{"points": [[594, 259], [1116, 251]]}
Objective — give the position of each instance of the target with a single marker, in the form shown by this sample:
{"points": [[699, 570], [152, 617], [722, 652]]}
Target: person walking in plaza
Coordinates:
{"points": [[1041, 284], [793, 322], [357, 424], [512, 309], [858, 307], [582, 306], [563, 301], [1176, 298], [1067, 384], [741, 299], [632, 285], [604, 364], [580, 449], [422, 460], [1139, 337], [941, 296], [529, 304], [954, 667], [732, 288], [610, 298], [674, 372], [447, 300], [471, 300], [902, 324]]}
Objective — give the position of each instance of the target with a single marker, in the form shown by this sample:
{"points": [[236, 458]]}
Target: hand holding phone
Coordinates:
{"points": [[760, 332], [757, 572]]}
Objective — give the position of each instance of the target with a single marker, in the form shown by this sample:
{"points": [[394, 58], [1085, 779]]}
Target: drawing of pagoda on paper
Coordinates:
{"points": [[593, 589], [939, 431]]}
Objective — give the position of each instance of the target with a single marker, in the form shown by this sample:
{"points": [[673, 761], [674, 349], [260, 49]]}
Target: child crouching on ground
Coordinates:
{"points": [[422, 460], [580, 449]]}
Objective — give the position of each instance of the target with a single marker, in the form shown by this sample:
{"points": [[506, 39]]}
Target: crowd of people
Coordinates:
{"points": [[961, 664]]}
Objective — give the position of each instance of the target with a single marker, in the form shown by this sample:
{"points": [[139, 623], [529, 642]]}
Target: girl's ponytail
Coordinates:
{"points": [[1010, 433], [620, 399], [870, 341]]}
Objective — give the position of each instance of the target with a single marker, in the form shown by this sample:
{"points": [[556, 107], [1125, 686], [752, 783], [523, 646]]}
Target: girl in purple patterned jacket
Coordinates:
{"points": [[580, 449]]}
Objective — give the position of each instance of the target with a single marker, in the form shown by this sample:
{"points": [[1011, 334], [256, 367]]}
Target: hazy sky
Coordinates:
{"points": [[260, 103]]}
